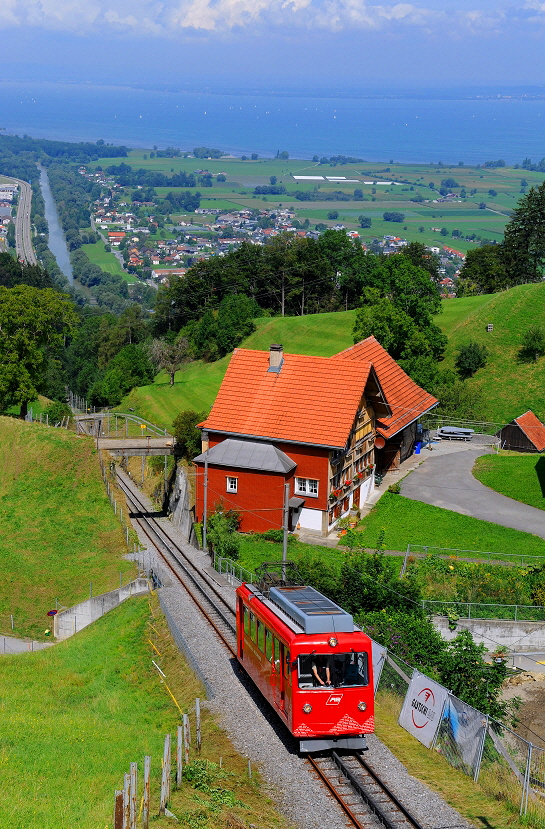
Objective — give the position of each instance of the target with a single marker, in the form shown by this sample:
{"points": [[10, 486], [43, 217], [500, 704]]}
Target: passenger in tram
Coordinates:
{"points": [[321, 670]]}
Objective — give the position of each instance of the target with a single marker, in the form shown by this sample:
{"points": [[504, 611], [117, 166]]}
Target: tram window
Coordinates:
{"points": [[246, 617], [252, 627], [269, 649], [260, 636], [276, 653], [287, 664], [334, 670]]}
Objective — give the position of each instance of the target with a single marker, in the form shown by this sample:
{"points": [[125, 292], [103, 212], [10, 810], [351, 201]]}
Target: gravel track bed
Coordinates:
{"points": [[258, 734]]}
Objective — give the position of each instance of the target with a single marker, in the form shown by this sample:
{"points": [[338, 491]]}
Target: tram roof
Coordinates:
{"points": [[313, 611]]}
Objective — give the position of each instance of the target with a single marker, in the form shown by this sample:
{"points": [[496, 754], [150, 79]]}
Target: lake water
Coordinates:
{"points": [[57, 242], [404, 130]]}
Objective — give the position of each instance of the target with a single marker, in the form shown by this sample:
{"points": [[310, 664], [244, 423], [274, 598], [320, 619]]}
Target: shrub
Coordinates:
{"points": [[470, 358], [533, 344], [393, 216]]}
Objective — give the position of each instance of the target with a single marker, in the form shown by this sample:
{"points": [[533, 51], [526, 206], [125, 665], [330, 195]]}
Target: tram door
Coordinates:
{"points": [[282, 677]]}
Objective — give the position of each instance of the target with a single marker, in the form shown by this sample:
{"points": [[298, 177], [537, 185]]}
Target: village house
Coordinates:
{"points": [[316, 424]]}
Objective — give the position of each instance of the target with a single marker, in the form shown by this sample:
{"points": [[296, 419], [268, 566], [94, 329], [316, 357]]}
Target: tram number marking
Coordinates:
{"points": [[334, 699]]}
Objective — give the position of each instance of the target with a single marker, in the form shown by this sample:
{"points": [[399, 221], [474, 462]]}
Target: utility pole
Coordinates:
{"points": [[205, 496], [285, 522]]}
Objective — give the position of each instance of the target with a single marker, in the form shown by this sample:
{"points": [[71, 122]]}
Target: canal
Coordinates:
{"points": [[57, 242]]}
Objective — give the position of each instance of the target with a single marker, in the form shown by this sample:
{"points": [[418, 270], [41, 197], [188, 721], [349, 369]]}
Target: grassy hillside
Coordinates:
{"points": [[82, 711], [509, 387], [197, 384], [57, 529]]}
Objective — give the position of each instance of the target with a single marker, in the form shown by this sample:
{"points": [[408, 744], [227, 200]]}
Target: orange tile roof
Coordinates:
{"points": [[311, 400], [406, 400], [533, 429]]}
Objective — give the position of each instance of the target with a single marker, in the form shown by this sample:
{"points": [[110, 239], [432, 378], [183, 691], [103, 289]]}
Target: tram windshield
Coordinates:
{"points": [[334, 670]]}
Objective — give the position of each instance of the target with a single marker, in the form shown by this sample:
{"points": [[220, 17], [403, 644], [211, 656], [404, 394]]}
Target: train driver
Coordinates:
{"points": [[321, 670]]}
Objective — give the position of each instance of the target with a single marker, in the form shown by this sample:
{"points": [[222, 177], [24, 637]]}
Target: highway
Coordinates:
{"points": [[23, 242]]}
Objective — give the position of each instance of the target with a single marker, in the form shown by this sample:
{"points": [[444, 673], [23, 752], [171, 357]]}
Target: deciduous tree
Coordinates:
{"points": [[34, 323]]}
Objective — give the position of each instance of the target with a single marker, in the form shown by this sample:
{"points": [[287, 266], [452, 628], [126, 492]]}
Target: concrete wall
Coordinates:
{"points": [[182, 515], [520, 636], [68, 622]]}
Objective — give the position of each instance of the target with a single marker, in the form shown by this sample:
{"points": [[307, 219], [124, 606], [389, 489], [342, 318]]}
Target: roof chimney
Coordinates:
{"points": [[276, 357]]}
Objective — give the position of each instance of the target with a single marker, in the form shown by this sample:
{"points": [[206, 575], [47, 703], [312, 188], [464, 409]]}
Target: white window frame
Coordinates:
{"points": [[307, 486], [231, 484]]}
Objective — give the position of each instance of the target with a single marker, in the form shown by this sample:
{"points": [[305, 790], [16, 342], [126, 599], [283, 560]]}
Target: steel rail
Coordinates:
{"points": [[168, 549], [373, 802], [157, 536], [406, 814]]}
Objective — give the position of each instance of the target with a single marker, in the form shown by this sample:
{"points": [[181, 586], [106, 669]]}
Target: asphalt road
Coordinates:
{"points": [[446, 481], [23, 239]]}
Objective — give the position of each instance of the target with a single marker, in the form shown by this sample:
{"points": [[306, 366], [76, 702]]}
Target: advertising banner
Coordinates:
{"points": [[461, 735], [422, 708], [379, 658]]}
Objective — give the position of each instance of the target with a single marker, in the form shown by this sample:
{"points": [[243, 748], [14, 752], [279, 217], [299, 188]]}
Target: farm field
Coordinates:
{"points": [[107, 261], [498, 189], [58, 531]]}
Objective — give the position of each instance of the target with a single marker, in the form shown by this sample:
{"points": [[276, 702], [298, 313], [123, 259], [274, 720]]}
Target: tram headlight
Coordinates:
{"points": [[362, 706], [307, 707], [333, 642]]}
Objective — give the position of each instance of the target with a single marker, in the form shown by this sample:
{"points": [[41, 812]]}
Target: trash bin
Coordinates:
{"points": [[417, 447]]}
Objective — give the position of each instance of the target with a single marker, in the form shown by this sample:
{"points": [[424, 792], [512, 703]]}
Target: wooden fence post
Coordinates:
{"points": [[198, 725], [134, 783], [186, 739], [146, 797], [165, 777], [179, 761], [118, 810], [126, 801]]}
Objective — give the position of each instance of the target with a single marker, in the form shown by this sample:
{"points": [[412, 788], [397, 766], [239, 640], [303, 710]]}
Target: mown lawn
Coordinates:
{"points": [[58, 531], [411, 522], [517, 476]]}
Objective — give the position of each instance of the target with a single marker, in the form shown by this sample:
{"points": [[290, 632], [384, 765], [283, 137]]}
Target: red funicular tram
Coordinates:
{"points": [[311, 663]]}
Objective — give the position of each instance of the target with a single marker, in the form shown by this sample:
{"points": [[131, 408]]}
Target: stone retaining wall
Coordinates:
{"points": [[68, 622]]}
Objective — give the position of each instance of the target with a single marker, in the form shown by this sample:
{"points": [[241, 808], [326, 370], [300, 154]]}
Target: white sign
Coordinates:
{"points": [[422, 708], [379, 658]]}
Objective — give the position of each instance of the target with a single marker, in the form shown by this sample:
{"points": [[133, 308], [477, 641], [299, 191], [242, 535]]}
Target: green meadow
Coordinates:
{"points": [[107, 261], [498, 188], [58, 532]]}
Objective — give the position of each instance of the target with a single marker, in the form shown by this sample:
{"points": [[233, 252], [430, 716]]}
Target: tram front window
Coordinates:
{"points": [[333, 670]]}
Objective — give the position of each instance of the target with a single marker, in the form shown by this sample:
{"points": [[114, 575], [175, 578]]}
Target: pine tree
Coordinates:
{"points": [[524, 242]]}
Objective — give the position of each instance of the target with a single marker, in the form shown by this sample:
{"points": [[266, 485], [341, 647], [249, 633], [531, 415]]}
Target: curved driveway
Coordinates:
{"points": [[446, 481]]}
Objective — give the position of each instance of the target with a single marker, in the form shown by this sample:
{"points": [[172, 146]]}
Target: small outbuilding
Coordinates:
{"points": [[524, 434]]}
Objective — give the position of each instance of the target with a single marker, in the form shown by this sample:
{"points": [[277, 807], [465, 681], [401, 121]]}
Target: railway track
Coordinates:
{"points": [[364, 798], [195, 582]]}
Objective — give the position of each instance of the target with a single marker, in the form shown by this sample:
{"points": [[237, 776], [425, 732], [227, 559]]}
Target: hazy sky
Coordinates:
{"points": [[279, 43]]}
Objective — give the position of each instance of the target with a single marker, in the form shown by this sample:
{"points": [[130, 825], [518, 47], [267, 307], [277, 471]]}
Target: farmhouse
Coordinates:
{"points": [[309, 423], [524, 434]]}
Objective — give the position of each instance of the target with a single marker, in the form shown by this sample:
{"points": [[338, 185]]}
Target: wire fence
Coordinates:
{"points": [[505, 765], [514, 559], [479, 610]]}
